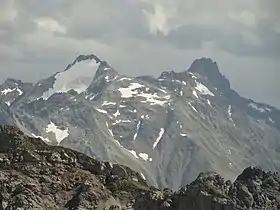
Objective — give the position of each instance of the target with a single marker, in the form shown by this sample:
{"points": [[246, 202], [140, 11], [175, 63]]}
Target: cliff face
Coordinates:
{"points": [[34, 175]]}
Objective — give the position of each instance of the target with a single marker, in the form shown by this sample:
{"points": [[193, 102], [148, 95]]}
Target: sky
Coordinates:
{"points": [[146, 37]]}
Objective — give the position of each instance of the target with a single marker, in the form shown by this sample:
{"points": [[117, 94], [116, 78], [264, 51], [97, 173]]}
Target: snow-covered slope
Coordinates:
{"points": [[168, 128], [77, 78]]}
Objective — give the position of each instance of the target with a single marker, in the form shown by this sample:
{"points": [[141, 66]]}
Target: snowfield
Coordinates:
{"points": [[77, 78]]}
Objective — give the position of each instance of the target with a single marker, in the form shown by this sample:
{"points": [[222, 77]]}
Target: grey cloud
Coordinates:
{"points": [[118, 31], [193, 36]]}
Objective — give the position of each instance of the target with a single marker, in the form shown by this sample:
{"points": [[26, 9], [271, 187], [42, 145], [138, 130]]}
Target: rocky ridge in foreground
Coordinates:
{"points": [[34, 175]]}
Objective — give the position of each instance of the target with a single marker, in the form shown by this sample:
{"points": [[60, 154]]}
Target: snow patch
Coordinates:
{"points": [[133, 153], [8, 90], [183, 134], [102, 111], [203, 89], [195, 93], [230, 114], [193, 107], [193, 76], [8, 103], [270, 120], [118, 143], [125, 78], [143, 177], [256, 107], [145, 157], [121, 121], [163, 91], [117, 114], [133, 90], [145, 116], [91, 96], [209, 102], [161, 133], [154, 99], [78, 78], [110, 131], [106, 103], [59, 134], [130, 151], [130, 91], [268, 109], [19, 91], [137, 130], [44, 139], [229, 111]]}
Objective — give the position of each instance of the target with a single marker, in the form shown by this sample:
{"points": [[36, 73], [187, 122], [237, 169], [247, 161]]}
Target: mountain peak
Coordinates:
{"points": [[103, 66], [77, 76], [83, 58], [204, 65], [168, 74], [208, 68]]}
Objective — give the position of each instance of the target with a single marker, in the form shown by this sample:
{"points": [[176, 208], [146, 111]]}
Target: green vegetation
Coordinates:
{"points": [[214, 190], [132, 184]]}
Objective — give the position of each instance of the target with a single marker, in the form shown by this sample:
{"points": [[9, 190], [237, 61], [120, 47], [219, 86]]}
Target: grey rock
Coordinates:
{"points": [[170, 129]]}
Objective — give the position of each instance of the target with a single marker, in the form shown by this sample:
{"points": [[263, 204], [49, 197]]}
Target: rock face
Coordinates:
{"points": [[169, 128], [34, 175], [253, 189]]}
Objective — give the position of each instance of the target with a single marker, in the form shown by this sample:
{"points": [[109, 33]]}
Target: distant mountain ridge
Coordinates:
{"points": [[169, 128]]}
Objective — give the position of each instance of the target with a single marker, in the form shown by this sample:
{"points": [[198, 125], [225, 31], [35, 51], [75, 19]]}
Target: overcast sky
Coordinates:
{"points": [[39, 37]]}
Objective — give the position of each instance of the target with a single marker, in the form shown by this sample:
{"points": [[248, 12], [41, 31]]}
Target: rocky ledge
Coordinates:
{"points": [[34, 175]]}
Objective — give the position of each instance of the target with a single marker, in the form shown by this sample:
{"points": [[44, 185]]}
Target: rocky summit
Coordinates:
{"points": [[169, 129], [35, 175]]}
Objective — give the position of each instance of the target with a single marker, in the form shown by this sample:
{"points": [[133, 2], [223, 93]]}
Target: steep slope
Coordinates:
{"points": [[4, 116], [34, 175], [168, 128]]}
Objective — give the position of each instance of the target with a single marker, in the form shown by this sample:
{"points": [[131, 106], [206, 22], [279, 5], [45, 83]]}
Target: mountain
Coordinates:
{"points": [[169, 128], [35, 175]]}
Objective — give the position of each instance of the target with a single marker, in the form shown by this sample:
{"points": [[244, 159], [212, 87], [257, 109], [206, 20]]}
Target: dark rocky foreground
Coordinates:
{"points": [[34, 175]]}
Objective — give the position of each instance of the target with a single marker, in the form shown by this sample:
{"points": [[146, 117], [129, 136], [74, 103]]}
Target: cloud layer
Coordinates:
{"points": [[146, 37]]}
